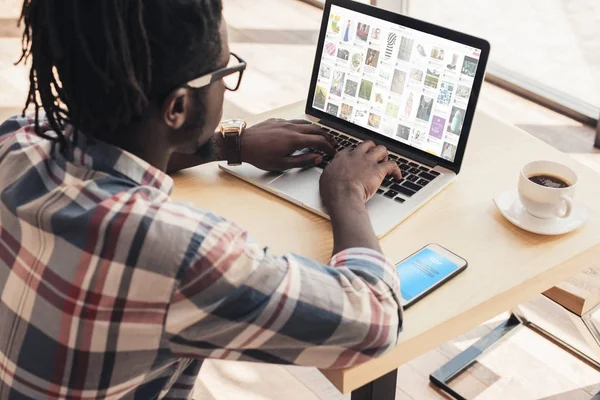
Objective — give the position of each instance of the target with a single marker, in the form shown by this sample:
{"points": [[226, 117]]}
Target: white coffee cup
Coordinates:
{"points": [[543, 201]]}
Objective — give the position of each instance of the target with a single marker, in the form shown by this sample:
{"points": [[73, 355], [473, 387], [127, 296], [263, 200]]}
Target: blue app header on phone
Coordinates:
{"points": [[422, 271]]}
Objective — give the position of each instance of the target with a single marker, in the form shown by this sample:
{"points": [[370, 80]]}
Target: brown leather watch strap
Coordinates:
{"points": [[232, 131], [232, 143]]}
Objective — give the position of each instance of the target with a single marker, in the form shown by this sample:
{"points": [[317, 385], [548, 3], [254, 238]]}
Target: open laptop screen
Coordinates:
{"points": [[408, 85]]}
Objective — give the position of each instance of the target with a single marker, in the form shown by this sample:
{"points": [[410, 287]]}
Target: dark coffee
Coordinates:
{"points": [[549, 181]]}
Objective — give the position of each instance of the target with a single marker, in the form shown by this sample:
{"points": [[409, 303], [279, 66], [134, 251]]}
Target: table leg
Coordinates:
{"points": [[442, 377], [383, 388]]}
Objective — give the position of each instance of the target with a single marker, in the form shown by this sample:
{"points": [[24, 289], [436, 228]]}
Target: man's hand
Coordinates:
{"points": [[270, 144], [347, 184], [357, 174]]}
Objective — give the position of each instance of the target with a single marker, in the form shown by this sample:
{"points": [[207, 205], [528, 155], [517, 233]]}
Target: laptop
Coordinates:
{"points": [[405, 84]]}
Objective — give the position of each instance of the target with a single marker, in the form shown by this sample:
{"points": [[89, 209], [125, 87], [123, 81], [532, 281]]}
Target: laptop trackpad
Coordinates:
{"points": [[302, 185]]}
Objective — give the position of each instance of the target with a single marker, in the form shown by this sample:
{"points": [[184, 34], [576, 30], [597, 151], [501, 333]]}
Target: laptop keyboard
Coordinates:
{"points": [[415, 176]]}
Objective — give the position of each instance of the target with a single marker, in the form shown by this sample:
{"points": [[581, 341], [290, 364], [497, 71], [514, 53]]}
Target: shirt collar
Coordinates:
{"points": [[101, 156]]}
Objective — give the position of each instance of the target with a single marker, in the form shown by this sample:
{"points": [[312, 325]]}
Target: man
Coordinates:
{"points": [[109, 289]]}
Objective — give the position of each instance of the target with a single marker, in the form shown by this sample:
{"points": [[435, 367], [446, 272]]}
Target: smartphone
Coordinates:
{"points": [[425, 270]]}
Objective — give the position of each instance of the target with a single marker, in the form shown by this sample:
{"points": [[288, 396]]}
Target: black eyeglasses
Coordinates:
{"points": [[231, 75]]}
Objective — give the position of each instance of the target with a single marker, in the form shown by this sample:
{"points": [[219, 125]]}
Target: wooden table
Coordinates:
{"points": [[506, 264]]}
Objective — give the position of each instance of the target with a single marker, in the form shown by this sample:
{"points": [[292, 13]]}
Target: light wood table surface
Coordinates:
{"points": [[506, 264]]}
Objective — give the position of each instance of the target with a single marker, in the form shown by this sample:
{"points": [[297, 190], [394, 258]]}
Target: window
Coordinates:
{"points": [[547, 51]]}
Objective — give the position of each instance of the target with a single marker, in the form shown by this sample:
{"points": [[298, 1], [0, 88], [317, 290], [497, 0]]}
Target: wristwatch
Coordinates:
{"points": [[232, 131]]}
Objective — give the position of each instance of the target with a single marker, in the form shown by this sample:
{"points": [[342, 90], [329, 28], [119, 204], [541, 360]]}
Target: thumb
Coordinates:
{"points": [[303, 160]]}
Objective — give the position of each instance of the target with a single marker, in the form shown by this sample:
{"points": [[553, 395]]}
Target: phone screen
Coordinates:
{"points": [[421, 271]]}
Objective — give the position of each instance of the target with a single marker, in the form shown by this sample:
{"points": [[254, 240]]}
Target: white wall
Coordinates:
{"points": [[392, 5]]}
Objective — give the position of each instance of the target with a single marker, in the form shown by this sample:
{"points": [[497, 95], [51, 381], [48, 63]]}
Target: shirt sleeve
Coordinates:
{"points": [[12, 125], [236, 301]]}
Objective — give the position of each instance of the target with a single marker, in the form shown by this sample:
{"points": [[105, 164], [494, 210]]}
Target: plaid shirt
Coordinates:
{"points": [[111, 290]]}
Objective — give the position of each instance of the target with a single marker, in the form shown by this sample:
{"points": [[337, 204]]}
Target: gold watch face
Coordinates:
{"points": [[233, 125]]}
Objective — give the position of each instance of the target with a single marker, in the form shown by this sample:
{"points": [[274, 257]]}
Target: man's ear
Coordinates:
{"points": [[176, 108]]}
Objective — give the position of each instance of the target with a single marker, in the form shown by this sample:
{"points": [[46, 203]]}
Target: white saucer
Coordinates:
{"points": [[510, 206]]}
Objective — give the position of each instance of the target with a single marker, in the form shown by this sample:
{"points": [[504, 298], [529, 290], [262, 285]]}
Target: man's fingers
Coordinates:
{"points": [[310, 130], [318, 142], [300, 122], [380, 153], [391, 168], [302, 161], [305, 127], [365, 146]]}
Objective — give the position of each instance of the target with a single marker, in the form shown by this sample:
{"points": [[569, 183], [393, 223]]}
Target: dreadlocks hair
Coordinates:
{"points": [[99, 65]]}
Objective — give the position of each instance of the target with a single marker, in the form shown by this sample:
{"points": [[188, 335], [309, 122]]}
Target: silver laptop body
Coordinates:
{"points": [[454, 63]]}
